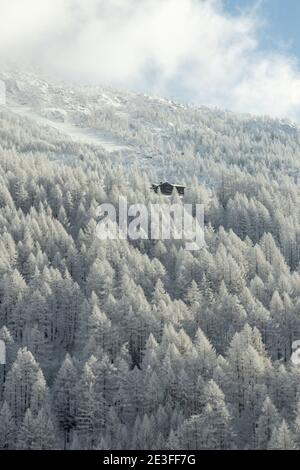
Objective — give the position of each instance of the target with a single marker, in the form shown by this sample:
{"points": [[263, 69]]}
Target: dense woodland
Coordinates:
{"points": [[142, 345]]}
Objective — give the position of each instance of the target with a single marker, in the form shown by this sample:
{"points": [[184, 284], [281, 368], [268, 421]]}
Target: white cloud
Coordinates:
{"points": [[187, 48]]}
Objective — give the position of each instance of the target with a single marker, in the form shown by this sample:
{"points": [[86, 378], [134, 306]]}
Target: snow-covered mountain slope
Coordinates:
{"points": [[58, 107], [84, 113], [166, 138]]}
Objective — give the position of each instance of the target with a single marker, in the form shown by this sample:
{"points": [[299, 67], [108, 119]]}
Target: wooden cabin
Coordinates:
{"points": [[167, 188]]}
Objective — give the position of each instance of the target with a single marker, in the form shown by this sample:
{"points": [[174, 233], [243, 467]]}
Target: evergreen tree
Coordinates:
{"points": [[7, 428], [65, 397], [268, 421], [20, 382], [281, 438]]}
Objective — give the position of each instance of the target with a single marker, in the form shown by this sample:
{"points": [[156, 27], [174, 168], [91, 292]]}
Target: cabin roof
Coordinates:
{"points": [[171, 184]]}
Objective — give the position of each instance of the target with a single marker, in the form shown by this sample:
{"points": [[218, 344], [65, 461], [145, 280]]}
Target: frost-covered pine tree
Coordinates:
{"points": [[65, 397], [19, 385], [281, 438], [268, 421], [7, 428]]}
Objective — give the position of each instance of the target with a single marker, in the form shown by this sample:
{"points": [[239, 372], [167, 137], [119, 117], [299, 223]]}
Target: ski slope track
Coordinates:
{"points": [[86, 135]]}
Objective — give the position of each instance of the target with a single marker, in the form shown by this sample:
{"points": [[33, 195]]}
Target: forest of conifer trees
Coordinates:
{"points": [[123, 344]]}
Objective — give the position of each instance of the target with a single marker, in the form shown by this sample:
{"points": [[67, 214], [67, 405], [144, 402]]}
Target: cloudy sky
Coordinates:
{"points": [[242, 55]]}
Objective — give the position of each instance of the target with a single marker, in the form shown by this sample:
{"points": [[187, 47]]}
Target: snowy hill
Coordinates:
{"points": [[155, 133]]}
